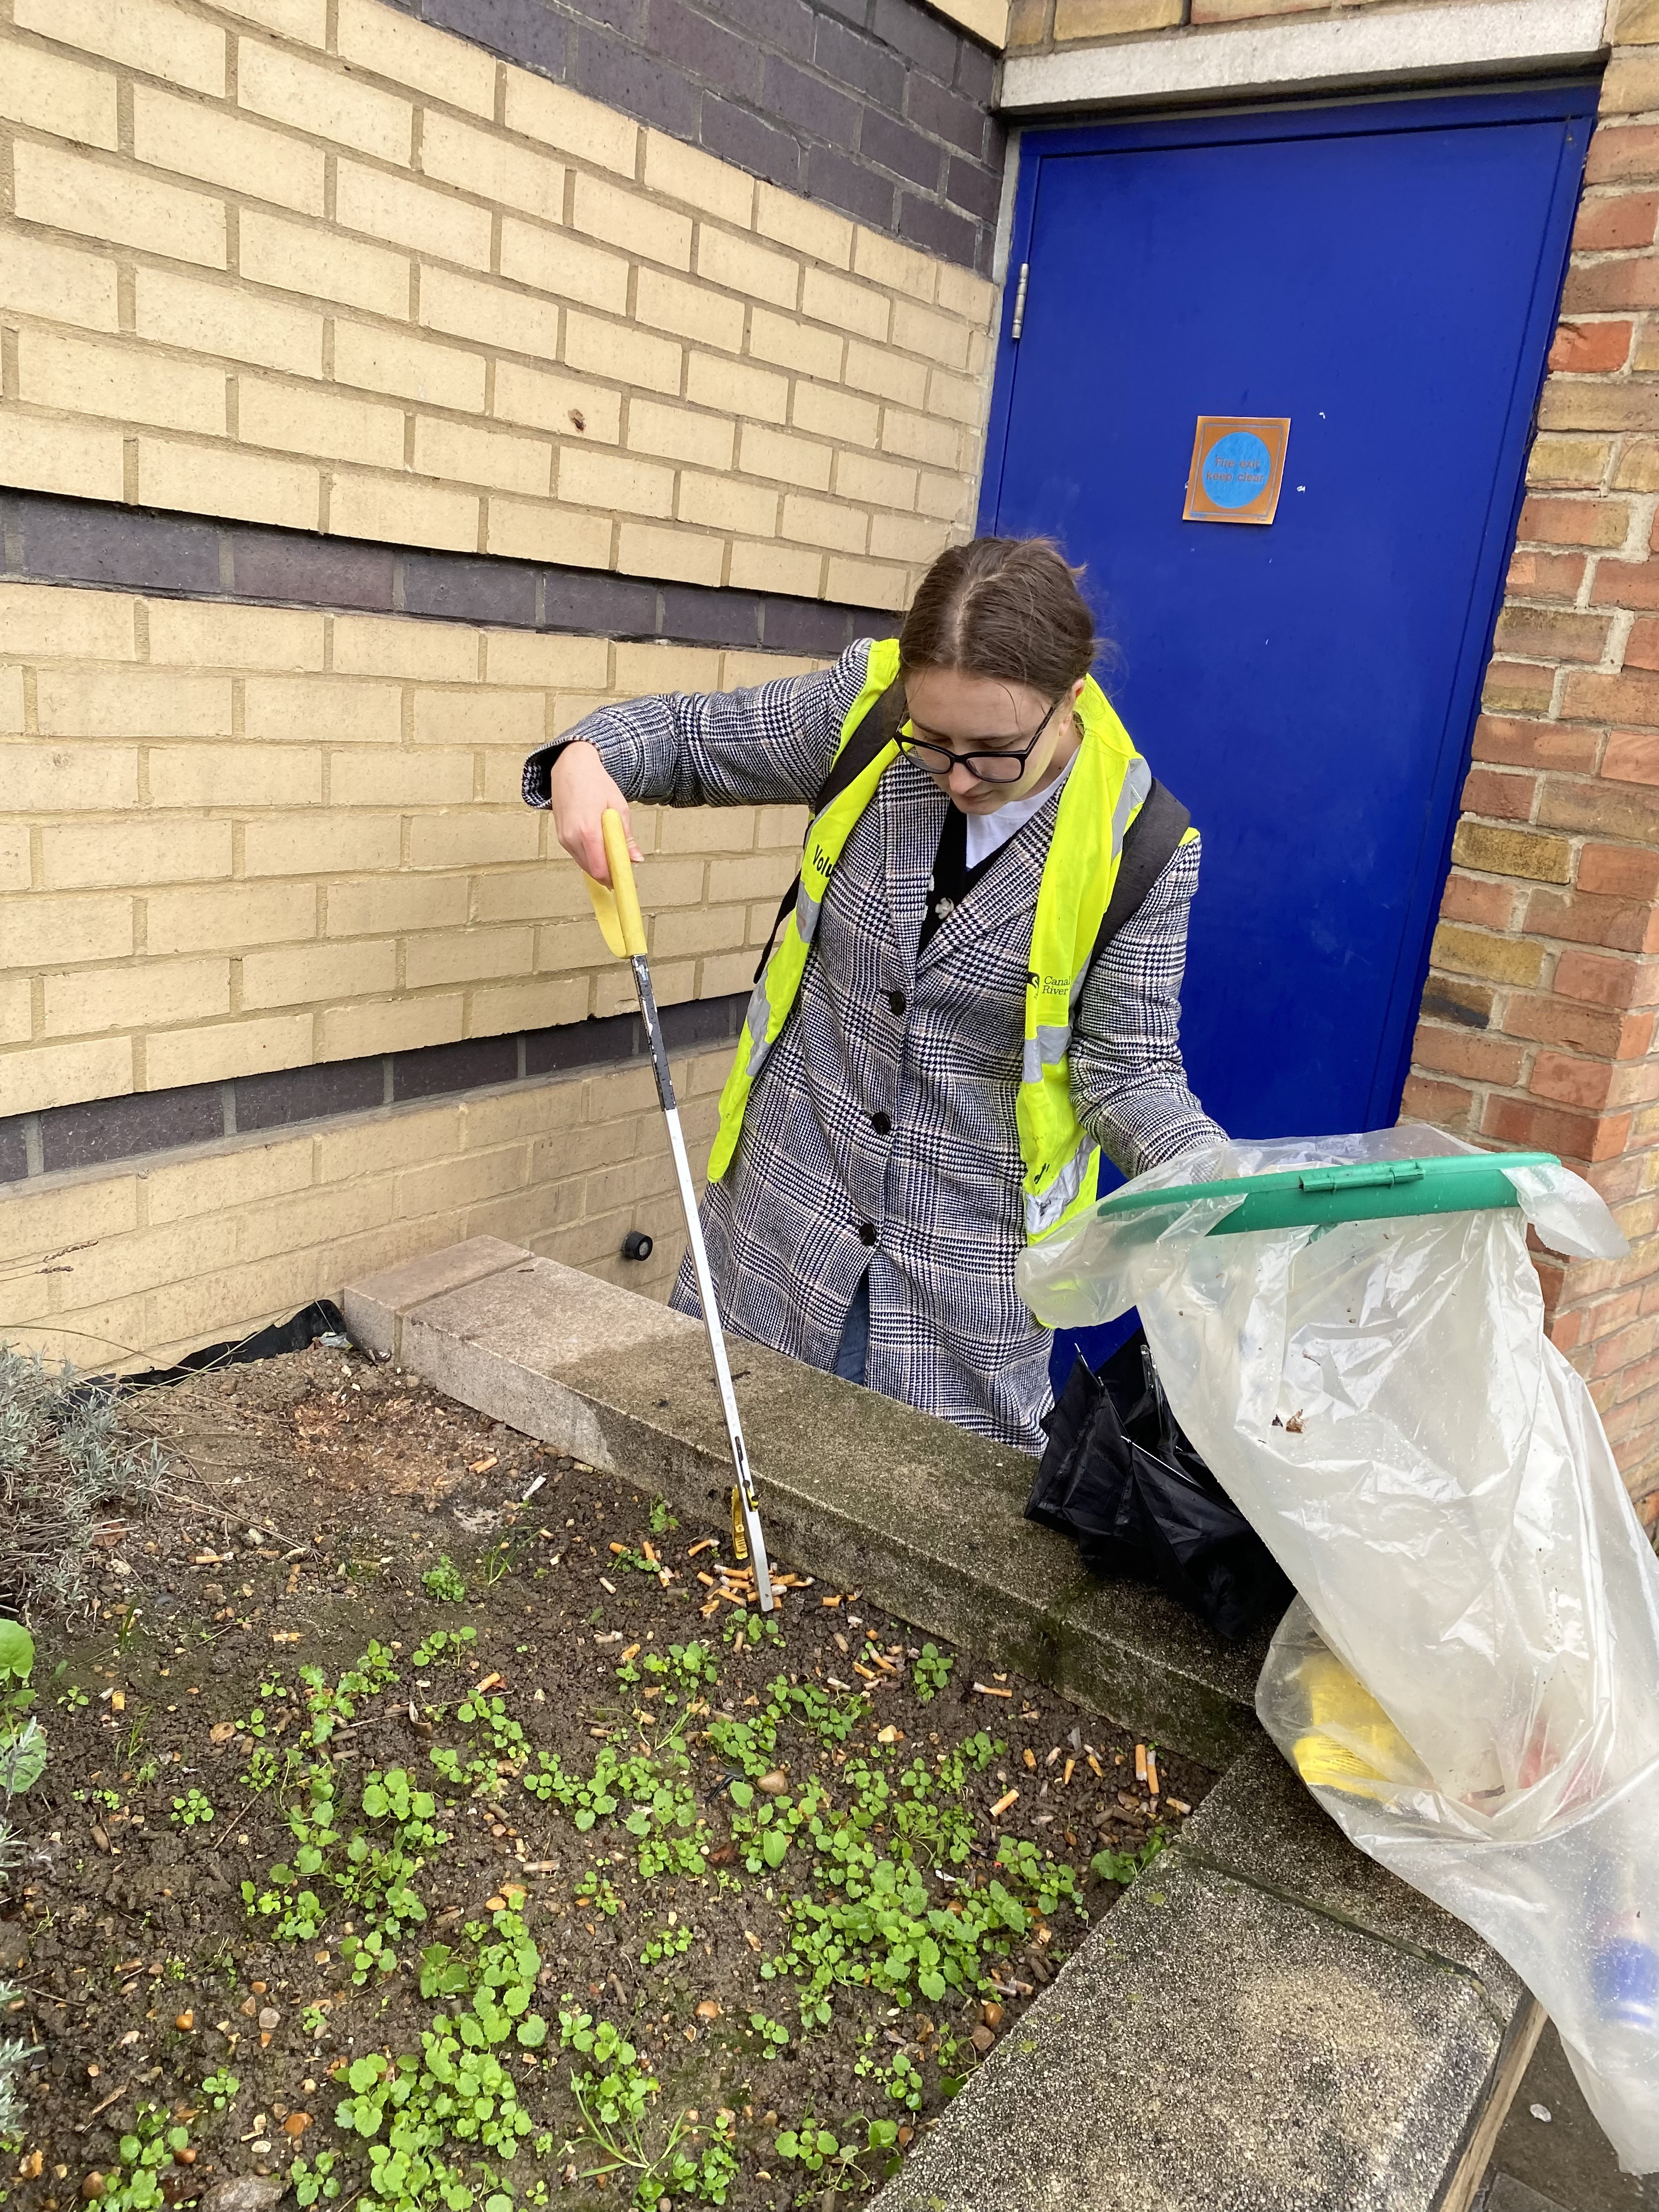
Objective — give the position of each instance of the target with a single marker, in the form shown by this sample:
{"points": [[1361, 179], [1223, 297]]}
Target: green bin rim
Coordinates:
{"points": [[1358, 1190]]}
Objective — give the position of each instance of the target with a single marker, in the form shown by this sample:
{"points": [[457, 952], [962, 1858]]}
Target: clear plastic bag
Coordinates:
{"points": [[1470, 1682]]}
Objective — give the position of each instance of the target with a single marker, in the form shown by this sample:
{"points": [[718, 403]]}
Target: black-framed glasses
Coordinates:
{"points": [[989, 768]]}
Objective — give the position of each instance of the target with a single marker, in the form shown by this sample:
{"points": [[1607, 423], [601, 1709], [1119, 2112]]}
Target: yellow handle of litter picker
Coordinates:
{"points": [[616, 905]]}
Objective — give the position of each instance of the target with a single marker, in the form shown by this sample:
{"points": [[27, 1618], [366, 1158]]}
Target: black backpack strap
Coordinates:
{"points": [[1149, 845], [881, 721]]}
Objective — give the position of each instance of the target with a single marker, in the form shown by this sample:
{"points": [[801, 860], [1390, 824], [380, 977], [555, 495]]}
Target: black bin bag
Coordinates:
{"points": [[1119, 1477]]}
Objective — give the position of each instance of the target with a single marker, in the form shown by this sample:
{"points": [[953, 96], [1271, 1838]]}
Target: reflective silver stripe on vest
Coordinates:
{"points": [[1048, 1048], [754, 1021], [807, 910], [1042, 1211]]}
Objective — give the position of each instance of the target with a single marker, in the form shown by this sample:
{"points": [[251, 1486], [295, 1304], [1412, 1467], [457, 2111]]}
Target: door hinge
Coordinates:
{"points": [[1019, 301]]}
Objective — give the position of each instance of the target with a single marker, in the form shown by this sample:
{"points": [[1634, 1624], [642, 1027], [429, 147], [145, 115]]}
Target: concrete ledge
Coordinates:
{"points": [[1296, 2032], [1460, 38], [923, 1516], [1267, 2023]]}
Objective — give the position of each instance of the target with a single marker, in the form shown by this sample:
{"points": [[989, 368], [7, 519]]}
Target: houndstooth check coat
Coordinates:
{"points": [[928, 1203]]}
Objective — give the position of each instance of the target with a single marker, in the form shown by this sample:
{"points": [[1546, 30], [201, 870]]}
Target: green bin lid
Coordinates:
{"points": [[1366, 1190]]}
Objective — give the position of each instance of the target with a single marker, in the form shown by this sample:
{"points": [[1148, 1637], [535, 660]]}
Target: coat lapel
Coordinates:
{"points": [[912, 816], [1008, 887]]}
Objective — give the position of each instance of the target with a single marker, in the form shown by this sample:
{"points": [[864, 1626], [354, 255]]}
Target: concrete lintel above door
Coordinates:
{"points": [[1403, 46]]}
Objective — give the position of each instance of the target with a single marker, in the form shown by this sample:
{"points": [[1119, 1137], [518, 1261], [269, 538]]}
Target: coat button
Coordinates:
{"points": [[882, 1124], [898, 1001], [868, 1232]]}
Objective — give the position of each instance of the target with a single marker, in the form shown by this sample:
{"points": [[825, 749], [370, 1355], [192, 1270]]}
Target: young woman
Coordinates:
{"points": [[976, 985]]}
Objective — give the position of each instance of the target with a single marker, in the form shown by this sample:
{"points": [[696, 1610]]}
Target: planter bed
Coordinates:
{"points": [[413, 1785]]}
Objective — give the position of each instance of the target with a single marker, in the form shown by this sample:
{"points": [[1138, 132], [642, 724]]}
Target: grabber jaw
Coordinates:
{"points": [[749, 1543]]}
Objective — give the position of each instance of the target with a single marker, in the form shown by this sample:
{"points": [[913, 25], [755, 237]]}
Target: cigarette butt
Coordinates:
{"points": [[1177, 1805], [829, 1600], [1003, 1803], [604, 1585], [1141, 1762], [1151, 1772], [1052, 1757], [489, 1682], [616, 1549], [1030, 1761], [704, 1544], [649, 1553], [1066, 1775], [986, 1691], [632, 1652], [1095, 1768], [707, 1611], [868, 1672]]}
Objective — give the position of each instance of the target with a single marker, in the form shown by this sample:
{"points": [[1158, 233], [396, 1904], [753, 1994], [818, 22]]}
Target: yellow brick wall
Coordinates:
{"points": [[373, 282], [132, 1267], [240, 838]]}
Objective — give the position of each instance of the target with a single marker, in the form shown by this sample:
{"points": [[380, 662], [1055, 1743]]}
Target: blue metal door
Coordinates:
{"points": [[1386, 276]]}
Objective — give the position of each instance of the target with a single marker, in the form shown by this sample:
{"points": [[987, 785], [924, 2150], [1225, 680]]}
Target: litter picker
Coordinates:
{"points": [[623, 926]]}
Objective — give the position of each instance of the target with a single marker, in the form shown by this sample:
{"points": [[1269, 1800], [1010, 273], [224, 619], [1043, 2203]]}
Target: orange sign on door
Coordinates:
{"points": [[1237, 465]]}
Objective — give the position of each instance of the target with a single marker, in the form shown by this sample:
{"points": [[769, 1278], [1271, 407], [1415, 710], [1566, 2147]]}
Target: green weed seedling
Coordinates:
{"points": [[742, 1626], [899, 2079], [147, 2154], [662, 1521], [22, 1740], [1124, 1866], [192, 1810], [452, 1645], [219, 2087], [314, 2180], [614, 2095], [931, 1672], [670, 1942], [328, 1708], [773, 2035], [445, 1583]]}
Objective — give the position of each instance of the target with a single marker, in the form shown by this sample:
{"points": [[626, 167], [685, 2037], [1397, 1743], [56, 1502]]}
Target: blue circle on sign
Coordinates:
{"points": [[1237, 470]]}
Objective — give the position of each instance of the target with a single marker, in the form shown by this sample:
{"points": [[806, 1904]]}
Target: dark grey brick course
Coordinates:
{"points": [[852, 60], [852, 187], [930, 43], [778, 87], [99, 545], [527, 29], [947, 115], [638, 83], [311, 571], [502, 591], [761, 147], [936, 230], [103, 1129], [796, 95], [976, 189], [907, 153], [13, 1152], [107, 1131], [49, 539], [707, 49], [448, 1068], [306, 1094]]}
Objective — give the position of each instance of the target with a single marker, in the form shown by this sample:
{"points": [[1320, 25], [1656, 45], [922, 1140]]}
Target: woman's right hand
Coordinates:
{"points": [[580, 790]]}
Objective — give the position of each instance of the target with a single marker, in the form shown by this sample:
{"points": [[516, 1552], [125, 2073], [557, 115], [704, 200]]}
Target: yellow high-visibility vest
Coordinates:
{"points": [[1105, 790]]}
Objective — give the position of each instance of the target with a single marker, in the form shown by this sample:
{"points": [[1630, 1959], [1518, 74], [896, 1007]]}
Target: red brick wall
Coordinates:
{"points": [[1538, 1020]]}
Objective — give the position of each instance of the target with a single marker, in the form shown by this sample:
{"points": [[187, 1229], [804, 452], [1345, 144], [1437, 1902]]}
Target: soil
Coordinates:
{"points": [[312, 1493]]}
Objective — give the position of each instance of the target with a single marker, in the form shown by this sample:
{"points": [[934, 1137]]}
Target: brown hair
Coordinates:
{"points": [[1004, 607]]}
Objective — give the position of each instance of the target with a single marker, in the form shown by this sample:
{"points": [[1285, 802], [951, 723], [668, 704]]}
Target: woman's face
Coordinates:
{"points": [[961, 715]]}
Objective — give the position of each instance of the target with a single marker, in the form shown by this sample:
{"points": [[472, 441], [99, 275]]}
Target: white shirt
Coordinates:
{"points": [[989, 833]]}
